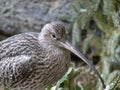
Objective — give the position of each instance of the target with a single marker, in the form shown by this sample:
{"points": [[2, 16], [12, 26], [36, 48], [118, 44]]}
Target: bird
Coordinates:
{"points": [[35, 60]]}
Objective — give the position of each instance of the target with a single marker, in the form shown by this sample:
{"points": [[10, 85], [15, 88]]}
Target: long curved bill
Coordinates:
{"points": [[69, 47]]}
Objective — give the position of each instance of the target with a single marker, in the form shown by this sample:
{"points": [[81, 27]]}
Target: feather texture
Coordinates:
{"points": [[25, 64]]}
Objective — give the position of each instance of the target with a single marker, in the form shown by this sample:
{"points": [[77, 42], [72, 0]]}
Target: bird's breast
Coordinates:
{"points": [[53, 66], [49, 69]]}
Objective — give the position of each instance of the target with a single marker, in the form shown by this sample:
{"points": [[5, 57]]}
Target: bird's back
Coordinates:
{"points": [[15, 55], [18, 45]]}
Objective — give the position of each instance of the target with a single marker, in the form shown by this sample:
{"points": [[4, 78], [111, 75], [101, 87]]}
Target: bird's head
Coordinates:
{"points": [[54, 34]]}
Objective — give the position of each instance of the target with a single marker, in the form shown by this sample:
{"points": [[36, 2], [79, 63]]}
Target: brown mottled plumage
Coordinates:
{"points": [[32, 61]]}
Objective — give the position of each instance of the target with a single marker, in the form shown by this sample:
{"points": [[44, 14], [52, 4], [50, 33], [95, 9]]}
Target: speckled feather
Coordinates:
{"points": [[27, 62]]}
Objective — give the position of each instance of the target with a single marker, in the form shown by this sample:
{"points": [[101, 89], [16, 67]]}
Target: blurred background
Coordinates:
{"points": [[93, 27]]}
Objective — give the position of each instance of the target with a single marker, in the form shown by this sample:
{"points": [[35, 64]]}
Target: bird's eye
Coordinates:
{"points": [[53, 36]]}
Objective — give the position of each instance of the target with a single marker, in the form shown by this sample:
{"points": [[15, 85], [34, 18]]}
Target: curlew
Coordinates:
{"points": [[32, 61]]}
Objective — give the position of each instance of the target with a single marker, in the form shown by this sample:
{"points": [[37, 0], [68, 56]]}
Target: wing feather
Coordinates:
{"points": [[13, 69]]}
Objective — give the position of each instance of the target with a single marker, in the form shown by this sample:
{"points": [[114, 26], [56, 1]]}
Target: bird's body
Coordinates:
{"points": [[27, 64], [32, 61]]}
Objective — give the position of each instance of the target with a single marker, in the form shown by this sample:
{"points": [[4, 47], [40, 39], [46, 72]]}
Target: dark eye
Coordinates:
{"points": [[53, 35]]}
